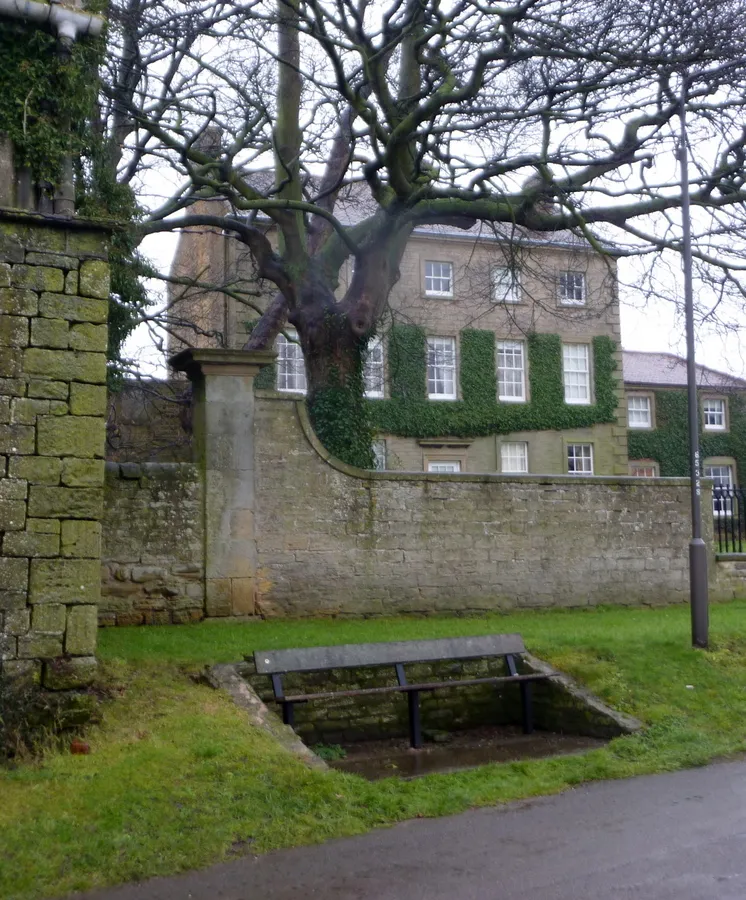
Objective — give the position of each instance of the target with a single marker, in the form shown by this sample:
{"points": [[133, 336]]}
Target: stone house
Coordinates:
{"points": [[500, 350], [656, 399]]}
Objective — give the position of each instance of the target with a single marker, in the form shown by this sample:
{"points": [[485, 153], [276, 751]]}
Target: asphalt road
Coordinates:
{"points": [[679, 836]]}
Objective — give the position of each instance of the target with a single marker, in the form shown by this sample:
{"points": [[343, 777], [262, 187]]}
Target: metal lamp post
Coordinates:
{"points": [[697, 549]]}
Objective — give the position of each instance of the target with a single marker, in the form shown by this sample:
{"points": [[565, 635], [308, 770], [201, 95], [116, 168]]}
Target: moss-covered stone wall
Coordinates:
{"points": [[153, 545], [54, 288]]}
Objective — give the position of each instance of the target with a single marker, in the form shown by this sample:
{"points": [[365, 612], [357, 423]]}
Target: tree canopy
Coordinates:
{"points": [[545, 114]]}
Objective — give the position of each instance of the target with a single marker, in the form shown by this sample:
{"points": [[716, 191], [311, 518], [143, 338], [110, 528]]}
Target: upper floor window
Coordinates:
{"points": [[572, 288], [514, 457], [639, 412], [511, 371], [291, 369], [506, 287], [714, 414], [438, 279], [576, 373], [373, 368], [580, 459], [441, 368]]}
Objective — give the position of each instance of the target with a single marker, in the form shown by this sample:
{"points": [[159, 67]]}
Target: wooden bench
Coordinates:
{"points": [[277, 663]]}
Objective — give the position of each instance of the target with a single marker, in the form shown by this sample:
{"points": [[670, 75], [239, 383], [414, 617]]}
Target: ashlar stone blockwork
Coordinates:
{"points": [[54, 289]]}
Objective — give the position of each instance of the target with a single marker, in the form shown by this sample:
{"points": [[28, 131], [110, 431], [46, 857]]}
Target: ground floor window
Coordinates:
{"points": [[643, 468], [291, 368], [722, 484], [444, 466], [379, 455], [514, 457], [580, 459]]}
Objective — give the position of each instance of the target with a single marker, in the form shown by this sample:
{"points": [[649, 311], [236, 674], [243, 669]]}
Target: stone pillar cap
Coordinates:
{"points": [[215, 361]]}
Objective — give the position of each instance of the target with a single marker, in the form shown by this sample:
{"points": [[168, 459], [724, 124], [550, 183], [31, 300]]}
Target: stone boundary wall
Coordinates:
{"points": [[150, 421], [728, 578], [153, 545], [54, 289], [333, 540]]}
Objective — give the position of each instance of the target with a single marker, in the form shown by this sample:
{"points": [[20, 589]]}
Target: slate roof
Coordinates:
{"points": [[667, 370]]}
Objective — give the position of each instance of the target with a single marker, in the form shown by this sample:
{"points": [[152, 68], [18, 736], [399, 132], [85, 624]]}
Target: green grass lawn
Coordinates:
{"points": [[177, 779]]}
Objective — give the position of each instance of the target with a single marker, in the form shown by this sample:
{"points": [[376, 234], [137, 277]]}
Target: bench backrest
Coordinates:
{"points": [[349, 656]]}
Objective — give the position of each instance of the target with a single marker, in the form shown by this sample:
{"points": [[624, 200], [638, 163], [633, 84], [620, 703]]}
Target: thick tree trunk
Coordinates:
{"points": [[334, 356]]}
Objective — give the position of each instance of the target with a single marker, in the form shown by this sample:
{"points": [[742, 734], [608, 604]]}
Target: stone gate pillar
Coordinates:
{"points": [[223, 409], [54, 289]]}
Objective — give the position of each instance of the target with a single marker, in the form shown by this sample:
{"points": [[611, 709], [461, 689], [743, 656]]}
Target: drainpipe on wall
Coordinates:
{"points": [[69, 25]]}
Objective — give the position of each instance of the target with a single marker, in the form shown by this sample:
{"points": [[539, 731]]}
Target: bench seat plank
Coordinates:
{"points": [[404, 688], [350, 656]]}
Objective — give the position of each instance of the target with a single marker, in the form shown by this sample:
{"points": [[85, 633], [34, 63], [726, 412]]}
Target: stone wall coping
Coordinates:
{"points": [[27, 217], [470, 477], [214, 361], [730, 557]]}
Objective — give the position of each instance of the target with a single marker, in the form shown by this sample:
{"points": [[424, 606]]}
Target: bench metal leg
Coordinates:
{"points": [[527, 702], [415, 729], [528, 707], [288, 714]]}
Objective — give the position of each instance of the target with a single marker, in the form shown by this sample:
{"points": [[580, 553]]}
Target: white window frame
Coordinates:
{"points": [[585, 453], [289, 353], [718, 409], [373, 368], [644, 405], [571, 288], [441, 371], [506, 284], [444, 466], [721, 506], [576, 374], [514, 457], [649, 466], [434, 279], [511, 379], [379, 455]]}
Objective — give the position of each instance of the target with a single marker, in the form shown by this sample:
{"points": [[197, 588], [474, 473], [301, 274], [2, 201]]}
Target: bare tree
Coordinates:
{"points": [[544, 114]]}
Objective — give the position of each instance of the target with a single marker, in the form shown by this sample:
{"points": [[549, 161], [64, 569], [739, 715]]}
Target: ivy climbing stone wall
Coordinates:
{"points": [[54, 288]]}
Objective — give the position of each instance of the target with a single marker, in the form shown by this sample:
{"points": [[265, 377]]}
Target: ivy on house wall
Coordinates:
{"points": [[46, 98], [668, 442], [408, 413]]}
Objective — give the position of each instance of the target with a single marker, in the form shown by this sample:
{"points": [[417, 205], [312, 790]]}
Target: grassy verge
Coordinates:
{"points": [[177, 779]]}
